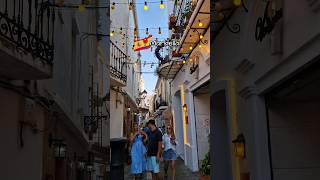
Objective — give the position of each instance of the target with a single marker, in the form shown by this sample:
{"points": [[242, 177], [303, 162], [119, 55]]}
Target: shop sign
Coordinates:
{"points": [[266, 24], [165, 43]]}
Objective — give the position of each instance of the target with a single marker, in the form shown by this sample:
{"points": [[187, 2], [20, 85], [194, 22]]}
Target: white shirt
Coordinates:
{"points": [[167, 143]]}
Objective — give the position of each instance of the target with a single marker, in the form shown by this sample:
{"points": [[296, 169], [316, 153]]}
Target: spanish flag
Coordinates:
{"points": [[141, 44]]}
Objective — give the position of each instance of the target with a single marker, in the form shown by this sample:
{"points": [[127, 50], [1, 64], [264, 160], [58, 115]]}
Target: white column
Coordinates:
{"points": [[192, 122]]}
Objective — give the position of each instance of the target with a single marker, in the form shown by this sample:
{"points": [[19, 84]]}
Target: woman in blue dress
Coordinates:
{"points": [[138, 151]]}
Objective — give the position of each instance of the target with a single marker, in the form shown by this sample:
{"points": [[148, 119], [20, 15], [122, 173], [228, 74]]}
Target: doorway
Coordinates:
{"points": [[221, 142], [293, 111], [201, 99]]}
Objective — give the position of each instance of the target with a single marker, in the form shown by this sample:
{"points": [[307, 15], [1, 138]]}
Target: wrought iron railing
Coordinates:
{"points": [[161, 103], [29, 24], [118, 67], [183, 13]]}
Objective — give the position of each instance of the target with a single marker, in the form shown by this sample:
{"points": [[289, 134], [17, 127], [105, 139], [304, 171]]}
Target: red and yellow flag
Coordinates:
{"points": [[141, 44]]}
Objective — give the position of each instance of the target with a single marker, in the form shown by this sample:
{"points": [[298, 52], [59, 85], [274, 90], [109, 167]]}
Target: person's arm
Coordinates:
{"points": [[132, 136], [159, 153]]}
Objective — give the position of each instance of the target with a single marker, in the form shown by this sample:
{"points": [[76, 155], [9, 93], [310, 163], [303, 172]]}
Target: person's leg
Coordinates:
{"points": [[173, 169], [166, 166]]}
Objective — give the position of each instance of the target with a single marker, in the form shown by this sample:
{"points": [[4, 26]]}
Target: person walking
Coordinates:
{"points": [[138, 152], [154, 150], [169, 154]]}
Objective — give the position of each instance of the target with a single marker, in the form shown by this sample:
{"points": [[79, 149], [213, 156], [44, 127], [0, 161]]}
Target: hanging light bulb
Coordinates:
{"points": [[111, 33], [161, 4], [190, 59], [130, 6], [201, 36], [120, 30], [82, 7], [159, 31], [200, 46], [200, 23], [135, 32], [145, 7], [184, 62], [237, 2], [147, 31], [190, 47], [113, 6]]}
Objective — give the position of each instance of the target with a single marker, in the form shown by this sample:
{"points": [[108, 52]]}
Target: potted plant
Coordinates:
{"points": [[205, 168], [172, 21]]}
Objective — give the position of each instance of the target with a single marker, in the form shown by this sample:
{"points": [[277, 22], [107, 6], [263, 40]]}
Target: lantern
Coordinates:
{"points": [[185, 108], [239, 146], [60, 148]]}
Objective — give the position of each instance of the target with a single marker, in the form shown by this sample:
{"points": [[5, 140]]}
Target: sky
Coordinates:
{"points": [[154, 17]]}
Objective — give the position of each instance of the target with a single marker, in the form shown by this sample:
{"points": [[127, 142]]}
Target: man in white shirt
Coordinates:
{"points": [[169, 154]]}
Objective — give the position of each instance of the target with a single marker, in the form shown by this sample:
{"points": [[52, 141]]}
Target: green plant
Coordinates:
{"points": [[205, 165]]}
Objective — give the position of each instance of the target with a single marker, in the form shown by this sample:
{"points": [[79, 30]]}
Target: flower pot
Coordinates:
{"points": [[205, 177]]}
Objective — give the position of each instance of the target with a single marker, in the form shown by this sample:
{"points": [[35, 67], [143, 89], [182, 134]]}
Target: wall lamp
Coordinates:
{"points": [[223, 14], [239, 146], [60, 148]]}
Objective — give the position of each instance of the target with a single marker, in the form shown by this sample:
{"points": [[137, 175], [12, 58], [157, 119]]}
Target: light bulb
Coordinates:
{"points": [[201, 36], [237, 2], [190, 47], [113, 6], [145, 7], [200, 46], [161, 4], [82, 7], [200, 24], [111, 33], [183, 61]]}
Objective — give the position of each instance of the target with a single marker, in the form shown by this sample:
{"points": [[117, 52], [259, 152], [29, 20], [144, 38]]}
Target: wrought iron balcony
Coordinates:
{"points": [[29, 25], [183, 12], [118, 68], [161, 103]]}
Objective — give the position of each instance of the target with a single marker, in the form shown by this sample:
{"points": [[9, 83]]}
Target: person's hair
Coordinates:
{"points": [[151, 121]]}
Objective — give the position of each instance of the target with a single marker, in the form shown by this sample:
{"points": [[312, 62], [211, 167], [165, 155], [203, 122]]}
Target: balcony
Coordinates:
{"points": [[190, 32], [118, 68], [161, 105], [26, 39]]}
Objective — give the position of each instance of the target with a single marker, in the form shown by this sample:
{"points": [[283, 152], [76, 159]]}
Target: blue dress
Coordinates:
{"points": [[138, 151]]}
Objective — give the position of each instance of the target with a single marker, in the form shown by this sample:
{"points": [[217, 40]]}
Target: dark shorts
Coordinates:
{"points": [[169, 155]]}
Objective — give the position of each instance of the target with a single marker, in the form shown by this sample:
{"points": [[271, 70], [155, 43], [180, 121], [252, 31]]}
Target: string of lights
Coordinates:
{"points": [[112, 5]]}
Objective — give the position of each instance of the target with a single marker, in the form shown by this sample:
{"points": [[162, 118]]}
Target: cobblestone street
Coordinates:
{"points": [[182, 172]]}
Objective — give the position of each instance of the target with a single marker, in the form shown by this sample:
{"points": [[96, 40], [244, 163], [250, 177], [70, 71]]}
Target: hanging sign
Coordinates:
{"points": [[165, 43], [266, 24], [141, 44]]}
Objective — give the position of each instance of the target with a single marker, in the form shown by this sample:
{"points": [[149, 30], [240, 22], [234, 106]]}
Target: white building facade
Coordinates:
{"points": [[125, 70], [188, 76]]}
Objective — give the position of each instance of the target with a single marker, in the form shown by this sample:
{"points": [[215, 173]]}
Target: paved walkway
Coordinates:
{"points": [[182, 172]]}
